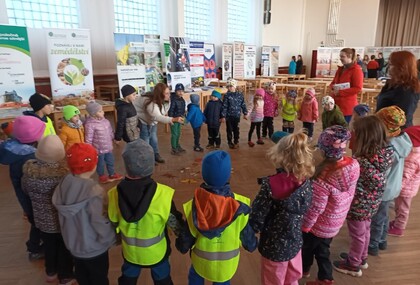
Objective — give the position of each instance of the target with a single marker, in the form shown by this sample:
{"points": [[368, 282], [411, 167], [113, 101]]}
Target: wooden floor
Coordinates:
{"points": [[400, 264]]}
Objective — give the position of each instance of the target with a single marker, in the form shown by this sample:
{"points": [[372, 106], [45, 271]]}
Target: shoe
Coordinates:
{"points": [[373, 250], [51, 278], [394, 231], [103, 179], [236, 146], [251, 144], [209, 146], [175, 151], [115, 177], [320, 282], [180, 149], [217, 146], [345, 255], [260, 141], [159, 159], [35, 256], [198, 149], [344, 267], [67, 281], [231, 145], [383, 245], [306, 274]]}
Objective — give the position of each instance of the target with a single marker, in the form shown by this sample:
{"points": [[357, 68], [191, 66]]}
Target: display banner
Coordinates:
{"points": [[250, 61], [238, 60], [360, 51], [227, 54], [323, 61], [414, 50], [373, 51], [335, 59], [153, 61], [179, 66], [16, 77], [70, 62], [197, 63], [265, 60], [166, 53], [210, 68], [274, 61]]}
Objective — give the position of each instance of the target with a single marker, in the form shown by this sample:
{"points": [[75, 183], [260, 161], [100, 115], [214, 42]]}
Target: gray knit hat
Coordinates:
{"points": [[92, 108], [139, 159]]}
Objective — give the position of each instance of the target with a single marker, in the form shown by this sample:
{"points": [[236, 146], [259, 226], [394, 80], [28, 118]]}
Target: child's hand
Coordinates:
{"points": [[245, 117]]}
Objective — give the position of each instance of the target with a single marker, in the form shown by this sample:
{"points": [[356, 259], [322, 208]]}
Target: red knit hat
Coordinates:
{"points": [[81, 158], [414, 133]]}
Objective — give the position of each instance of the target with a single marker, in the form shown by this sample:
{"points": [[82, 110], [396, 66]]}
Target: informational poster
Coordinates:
{"points": [[360, 51], [238, 60], [152, 61], [323, 61], [265, 60], [414, 50], [250, 61], [373, 51], [274, 61], [166, 54], [179, 65], [197, 63], [70, 63], [386, 52], [210, 68], [335, 59], [16, 77], [227, 55]]}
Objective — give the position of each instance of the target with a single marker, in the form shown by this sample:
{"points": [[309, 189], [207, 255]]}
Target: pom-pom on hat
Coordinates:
{"points": [[277, 136], [260, 91], [292, 93], [28, 129], [50, 149], [333, 141], [216, 94], [179, 87], [327, 100], [195, 99], [93, 108], [39, 101], [69, 112], [393, 118], [81, 158], [310, 92], [361, 110], [216, 168], [231, 82], [127, 90], [139, 159]]}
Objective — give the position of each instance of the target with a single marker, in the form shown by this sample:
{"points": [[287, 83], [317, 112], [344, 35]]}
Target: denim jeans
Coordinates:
{"points": [[149, 135], [108, 160], [195, 279], [161, 271], [379, 225]]}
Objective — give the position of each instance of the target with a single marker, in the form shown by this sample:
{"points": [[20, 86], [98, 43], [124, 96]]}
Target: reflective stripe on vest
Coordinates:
{"points": [[142, 242], [213, 256]]}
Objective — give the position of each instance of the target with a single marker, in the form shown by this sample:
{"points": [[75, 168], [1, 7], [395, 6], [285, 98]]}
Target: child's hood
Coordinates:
{"points": [[283, 185], [33, 114], [402, 145], [12, 151]]}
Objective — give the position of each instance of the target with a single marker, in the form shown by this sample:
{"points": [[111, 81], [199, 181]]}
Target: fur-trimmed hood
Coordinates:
{"points": [[38, 169]]}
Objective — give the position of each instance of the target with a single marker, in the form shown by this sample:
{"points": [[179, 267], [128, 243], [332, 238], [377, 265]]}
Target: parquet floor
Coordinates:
{"points": [[400, 264]]}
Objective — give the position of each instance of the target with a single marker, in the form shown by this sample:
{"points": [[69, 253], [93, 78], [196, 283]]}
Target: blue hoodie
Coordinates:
{"points": [[195, 116]]}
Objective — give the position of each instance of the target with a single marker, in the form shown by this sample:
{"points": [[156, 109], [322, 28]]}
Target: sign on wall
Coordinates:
{"points": [[238, 60], [179, 66], [210, 68], [250, 61], [323, 61], [16, 77], [227, 54], [197, 63]]}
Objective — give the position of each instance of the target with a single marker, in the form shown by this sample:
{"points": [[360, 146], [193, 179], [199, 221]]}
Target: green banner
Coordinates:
{"points": [[14, 37]]}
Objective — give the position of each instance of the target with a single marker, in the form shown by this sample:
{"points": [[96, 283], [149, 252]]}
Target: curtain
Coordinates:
{"points": [[398, 23]]}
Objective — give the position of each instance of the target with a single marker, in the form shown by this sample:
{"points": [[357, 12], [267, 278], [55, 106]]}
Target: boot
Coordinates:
{"points": [[166, 281], [124, 280]]}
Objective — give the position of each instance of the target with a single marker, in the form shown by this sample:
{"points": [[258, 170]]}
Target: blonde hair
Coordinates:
{"points": [[293, 154]]}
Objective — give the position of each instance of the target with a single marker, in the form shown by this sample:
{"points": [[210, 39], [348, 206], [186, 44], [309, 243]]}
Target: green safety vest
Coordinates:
{"points": [[49, 128], [144, 242], [217, 259]]}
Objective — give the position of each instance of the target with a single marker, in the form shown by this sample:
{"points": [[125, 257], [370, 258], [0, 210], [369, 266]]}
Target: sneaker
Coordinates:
{"points": [[175, 151], [383, 245], [103, 179], [35, 256], [115, 177], [198, 149], [320, 282], [209, 146], [343, 266], [364, 265], [159, 159], [51, 278], [236, 146], [394, 231], [251, 144], [217, 146], [373, 250], [260, 141], [180, 149], [231, 145], [306, 274], [67, 281]]}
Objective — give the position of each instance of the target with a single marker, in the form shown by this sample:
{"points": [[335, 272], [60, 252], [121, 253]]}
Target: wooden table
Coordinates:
{"points": [[113, 89], [323, 85], [329, 79], [368, 95], [301, 89]]}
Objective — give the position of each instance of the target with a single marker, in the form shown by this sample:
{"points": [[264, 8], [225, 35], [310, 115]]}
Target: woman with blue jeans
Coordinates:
{"points": [[151, 109]]}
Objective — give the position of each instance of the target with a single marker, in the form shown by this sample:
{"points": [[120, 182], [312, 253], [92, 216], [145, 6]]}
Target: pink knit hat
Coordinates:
{"points": [[260, 91], [310, 92], [28, 129]]}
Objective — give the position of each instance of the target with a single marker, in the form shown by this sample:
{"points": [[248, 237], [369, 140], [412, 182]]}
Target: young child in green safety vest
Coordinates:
{"points": [[142, 209], [289, 108], [218, 224]]}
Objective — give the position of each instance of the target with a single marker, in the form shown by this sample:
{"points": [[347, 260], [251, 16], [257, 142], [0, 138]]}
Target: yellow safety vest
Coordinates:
{"points": [[217, 259], [49, 128], [144, 242]]}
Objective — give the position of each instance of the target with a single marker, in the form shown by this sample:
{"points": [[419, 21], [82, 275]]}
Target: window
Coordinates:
{"points": [[197, 19], [239, 19], [136, 16], [43, 13]]}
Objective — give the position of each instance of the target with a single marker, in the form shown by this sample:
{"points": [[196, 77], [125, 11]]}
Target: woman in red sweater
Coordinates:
{"points": [[348, 81]]}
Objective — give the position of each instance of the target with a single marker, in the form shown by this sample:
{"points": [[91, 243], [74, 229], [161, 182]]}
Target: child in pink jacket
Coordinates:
{"points": [[271, 106], [410, 184], [308, 112]]}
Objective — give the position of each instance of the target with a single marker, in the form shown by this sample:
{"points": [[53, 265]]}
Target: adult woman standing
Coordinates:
{"points": [[299, 65], [347, 82], [151, 110], [403, 87]]}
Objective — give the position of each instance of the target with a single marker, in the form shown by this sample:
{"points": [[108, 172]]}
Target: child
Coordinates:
{"points": [[233, 104], [374, 155], [393, 118], [333, 189], [141, 209], [270, 110], [278, 209], [86, 232], [27, 130], [98, 133], [308, 112], [72, 130], [289, 109], [40, 178], [213, 114], [256, 111], [42, 107], [359, 111], [218, 224], [128, 125], [410, 184], [332, 114], [177, 109], [196, 119]]}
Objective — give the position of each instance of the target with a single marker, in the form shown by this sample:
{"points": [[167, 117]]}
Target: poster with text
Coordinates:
{"points": [[238, 60], [414, 50], [274, 61], [250, 61], [265, 60], [152, 61], [373, 51], [227, 56], [335, 59], [16, 77], [210, 68], [166, 53], [179, 62], [70, 63], [197, 63], [360, 51], [323, 61]]}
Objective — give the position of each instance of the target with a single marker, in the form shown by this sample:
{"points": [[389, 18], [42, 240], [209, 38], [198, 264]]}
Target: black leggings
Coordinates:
{"points": [[252, 128], [267, 124]]}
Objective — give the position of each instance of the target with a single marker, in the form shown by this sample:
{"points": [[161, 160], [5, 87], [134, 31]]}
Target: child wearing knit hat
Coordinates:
{"points": [[42, 107], [196, 119], [256, 113], [332, 114], [86, 232], [216, 213], [141, 210], [177, 109], [271, 105], [27, 130], [99, 133], [393, 118], [213, 115], [72, 130], [289, 108], [128, 125], [40, 178], [308, 112]]}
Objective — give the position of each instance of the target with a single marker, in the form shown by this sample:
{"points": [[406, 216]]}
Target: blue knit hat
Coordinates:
{"points": [[277, 136], [292, 93], [216, 168], [361, 110], [216, 94], [195, 99], [179, 87]]}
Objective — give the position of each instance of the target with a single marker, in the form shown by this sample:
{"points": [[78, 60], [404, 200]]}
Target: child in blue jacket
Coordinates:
{"points": [[196, 119], [213, 114]]}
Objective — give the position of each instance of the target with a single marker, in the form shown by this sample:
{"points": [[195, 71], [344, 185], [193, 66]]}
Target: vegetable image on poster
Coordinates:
{"points": [[72, 71]]}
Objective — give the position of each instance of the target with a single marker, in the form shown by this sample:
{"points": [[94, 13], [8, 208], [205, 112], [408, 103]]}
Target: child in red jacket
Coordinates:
{"points": [[308, 112]]}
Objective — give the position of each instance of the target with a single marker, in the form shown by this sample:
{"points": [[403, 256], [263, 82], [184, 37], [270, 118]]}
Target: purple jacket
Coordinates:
{"points": [[99, 133]]}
